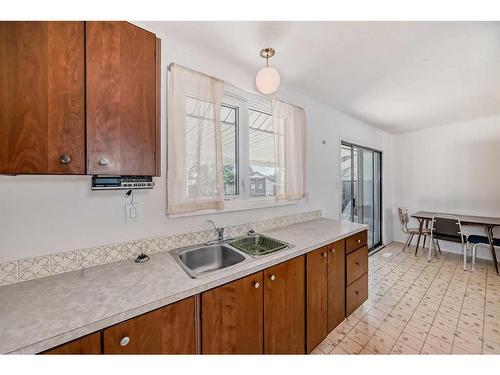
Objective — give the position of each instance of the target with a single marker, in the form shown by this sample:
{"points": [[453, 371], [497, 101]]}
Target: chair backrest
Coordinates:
{"points": [[404, 218], [448, 228]]}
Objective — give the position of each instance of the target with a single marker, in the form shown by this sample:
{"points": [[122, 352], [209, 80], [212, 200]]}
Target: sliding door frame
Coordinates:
{"points": [[345, 142]]}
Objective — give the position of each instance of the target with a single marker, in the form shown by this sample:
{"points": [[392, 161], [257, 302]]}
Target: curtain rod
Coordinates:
{"points": [[229, 83]]}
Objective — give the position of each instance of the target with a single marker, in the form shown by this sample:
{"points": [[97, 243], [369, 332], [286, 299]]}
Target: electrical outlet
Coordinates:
{"points": [[132, 212]]}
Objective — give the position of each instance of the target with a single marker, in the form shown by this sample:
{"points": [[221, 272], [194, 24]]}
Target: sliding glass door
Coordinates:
{"points": [[361, 185]]}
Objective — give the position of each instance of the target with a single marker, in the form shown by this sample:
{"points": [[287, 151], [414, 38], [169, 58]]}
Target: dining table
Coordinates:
{"points": [[489, 223]]}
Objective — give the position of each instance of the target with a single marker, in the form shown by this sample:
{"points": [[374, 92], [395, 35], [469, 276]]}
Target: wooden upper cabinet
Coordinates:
{"points": [[42, 128], [167, 330], [122, 91], [232, 317], [336, 284], [284, 308], [317, 297], [90, 344]]}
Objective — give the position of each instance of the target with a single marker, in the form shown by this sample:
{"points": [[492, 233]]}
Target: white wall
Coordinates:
{"points": [[452, 168], [48, 214]]}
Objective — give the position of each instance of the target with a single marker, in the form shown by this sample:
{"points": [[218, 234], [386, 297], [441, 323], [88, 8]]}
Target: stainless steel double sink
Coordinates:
{"points": [[201, 260]]}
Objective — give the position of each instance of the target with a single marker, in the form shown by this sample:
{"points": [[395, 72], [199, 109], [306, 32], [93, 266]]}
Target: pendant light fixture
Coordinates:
{"points": [[268, 78]]}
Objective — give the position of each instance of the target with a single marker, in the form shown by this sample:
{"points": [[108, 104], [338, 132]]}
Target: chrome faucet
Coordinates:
{"points": [[220, 231]]}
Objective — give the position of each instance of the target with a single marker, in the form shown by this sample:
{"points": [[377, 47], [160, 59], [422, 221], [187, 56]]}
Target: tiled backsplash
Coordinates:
{"points": [[33, 268]]}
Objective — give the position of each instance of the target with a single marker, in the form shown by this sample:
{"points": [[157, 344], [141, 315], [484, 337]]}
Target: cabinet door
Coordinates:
{"points": [[90, 344], [336, 284], [42, 127], [121, 79], [284, 308], [317, 312], [168, 330], [232, 317]]}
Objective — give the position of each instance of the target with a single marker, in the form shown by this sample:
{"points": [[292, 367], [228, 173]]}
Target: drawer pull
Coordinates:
{"points": [[273, 277], [357, 292], [359, 241], [357, 263], [323, 255], [124, 341], [256, 285], [104, 161]]}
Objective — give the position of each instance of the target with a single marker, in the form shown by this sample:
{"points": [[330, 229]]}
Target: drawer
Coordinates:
{"points": [[356, 241], [356, 294], [357, 264]]}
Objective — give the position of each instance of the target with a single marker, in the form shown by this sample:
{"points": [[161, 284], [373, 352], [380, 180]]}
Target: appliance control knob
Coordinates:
{"points": [[65, 159], [124, 341], [104, 161]]}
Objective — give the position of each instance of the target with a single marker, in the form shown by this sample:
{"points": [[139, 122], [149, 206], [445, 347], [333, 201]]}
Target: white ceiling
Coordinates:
{"points": [[398, 76]]}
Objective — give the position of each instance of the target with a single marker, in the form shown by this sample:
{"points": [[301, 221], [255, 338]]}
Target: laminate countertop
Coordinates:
{"points": [[40, 314]]}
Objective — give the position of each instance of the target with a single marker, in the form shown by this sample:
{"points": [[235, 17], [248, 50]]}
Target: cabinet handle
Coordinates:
{"points": [[323, 255], [273, 277], [104, 161], [65, 159], [332, 251], [256, 285], [124, 341]]}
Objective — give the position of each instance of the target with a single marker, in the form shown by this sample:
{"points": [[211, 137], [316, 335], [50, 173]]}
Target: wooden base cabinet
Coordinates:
{"points": [[232, 317], [284, 308], [356, 271], [90, 344], [167, 330], [316, 297], [336, 284]]}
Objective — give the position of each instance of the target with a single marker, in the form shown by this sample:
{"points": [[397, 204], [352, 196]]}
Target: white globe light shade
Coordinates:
{"points": [[267, 80]]}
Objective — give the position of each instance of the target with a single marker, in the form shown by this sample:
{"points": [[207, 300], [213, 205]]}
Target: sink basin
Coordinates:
{"points": [[199, 261], [257, 244]]}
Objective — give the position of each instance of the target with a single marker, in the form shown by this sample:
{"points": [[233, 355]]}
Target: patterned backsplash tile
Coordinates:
{"points": [[33, 268]]}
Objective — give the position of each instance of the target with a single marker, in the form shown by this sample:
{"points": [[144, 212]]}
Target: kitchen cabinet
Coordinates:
{"points": [[232, 318], [79, 98], [90, 344], [356, 271], [42, 128], [122, 62], [284, 308], [167, 330], [316, 296], [336, 284]]}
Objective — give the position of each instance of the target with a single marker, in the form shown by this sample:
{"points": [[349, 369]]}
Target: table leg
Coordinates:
{"points": [[420, 226], [489, 232], [425, 237]]}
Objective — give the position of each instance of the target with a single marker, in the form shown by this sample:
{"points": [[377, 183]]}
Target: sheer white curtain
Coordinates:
{"points": [[195, 170], [289, 128]]}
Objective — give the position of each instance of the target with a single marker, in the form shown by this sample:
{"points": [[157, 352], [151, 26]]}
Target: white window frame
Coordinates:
{"points": [[243, 100]]}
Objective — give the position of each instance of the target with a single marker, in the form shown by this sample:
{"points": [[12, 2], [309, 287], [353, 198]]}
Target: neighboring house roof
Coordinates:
{"points": [[255, 174]]}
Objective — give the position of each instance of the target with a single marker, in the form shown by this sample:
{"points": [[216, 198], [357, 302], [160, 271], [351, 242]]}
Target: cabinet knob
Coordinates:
{"points": [[104, 161], [356, 263], [65, 159], [323, 255], [124, 341], [332, 251], [273, 277], [256, 285], [359, 241], [357, 292]]}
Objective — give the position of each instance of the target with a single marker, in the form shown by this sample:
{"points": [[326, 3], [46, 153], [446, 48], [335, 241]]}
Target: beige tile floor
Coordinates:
{"points": [[416, 306]]}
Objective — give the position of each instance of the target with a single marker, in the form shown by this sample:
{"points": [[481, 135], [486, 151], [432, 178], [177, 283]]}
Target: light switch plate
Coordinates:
{"points": [[132, 212]]}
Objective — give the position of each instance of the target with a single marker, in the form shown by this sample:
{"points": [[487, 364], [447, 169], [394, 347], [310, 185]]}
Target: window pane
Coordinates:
{"points": [[200, 146], [261, 154], [229, 130]]}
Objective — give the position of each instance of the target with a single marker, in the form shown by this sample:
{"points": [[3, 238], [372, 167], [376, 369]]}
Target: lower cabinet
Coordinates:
{"points": [[90, 344], [167, 330], [316, 297], [232, 317], [284, 308], [336, 284]]}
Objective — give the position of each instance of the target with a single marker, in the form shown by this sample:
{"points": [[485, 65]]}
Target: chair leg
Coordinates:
{"points": [[474, 255], [438, 247], [406, 243], [425, 237], [464, 251]]}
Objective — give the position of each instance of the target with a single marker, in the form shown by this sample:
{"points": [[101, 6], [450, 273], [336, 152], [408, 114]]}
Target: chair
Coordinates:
{"points": [[447, 228], [476, 240], [411, 232]]}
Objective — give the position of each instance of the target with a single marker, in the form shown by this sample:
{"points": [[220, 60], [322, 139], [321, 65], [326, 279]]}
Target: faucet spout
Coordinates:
{"points": [[220, 231]]}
